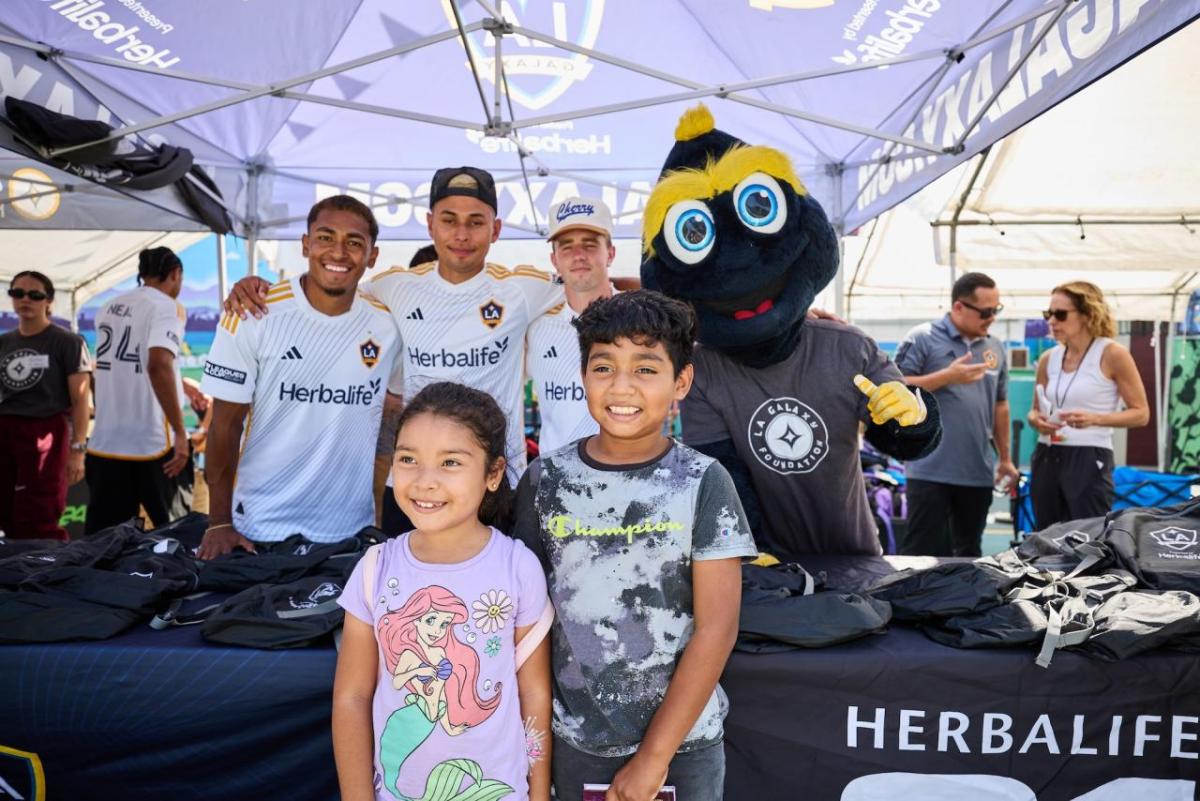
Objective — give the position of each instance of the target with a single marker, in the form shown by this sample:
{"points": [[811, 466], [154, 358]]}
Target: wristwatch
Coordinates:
{"points": [[79, 447]]}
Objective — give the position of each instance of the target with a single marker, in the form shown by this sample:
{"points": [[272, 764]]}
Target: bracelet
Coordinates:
{"points": [[220, 526]]}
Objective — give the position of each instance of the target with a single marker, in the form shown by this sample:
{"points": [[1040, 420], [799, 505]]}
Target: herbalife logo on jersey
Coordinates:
{"points": [[482, 356], [349, 395]]}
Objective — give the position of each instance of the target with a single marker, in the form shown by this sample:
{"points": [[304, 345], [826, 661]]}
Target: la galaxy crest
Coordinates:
{"points": [[21, 775], [491, 313], [535, 74], [369, 351]]}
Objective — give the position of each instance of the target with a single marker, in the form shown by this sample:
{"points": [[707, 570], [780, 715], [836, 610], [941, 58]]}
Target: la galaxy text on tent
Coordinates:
{"points": [[393, 205], [1080, 34], [994, 733]]}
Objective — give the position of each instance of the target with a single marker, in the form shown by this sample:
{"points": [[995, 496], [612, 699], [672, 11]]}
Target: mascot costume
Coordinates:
{"points": [[777, 397]]}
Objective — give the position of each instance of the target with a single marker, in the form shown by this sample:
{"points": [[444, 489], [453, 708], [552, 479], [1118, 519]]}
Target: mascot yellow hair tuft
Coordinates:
{"points": [[696, 121]]}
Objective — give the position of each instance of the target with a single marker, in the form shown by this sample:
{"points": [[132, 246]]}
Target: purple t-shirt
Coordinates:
{"points": [[446, 638]]}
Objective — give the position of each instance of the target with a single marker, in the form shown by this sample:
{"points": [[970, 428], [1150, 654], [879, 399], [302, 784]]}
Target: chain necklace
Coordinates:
{"points": [[1059, 400]]}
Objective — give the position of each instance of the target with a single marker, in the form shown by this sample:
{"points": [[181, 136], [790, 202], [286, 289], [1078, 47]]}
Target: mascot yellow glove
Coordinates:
{"points": [[891, 401]]}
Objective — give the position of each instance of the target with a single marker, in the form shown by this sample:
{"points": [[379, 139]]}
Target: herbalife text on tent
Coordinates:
{"points": [[87, 15]]}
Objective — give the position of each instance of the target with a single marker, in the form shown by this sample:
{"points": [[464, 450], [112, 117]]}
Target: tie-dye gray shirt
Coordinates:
{"points": [[618, 544]]}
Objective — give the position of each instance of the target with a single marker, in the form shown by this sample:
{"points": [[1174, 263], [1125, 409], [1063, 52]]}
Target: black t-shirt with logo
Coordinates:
{"points": [[795, 425], [34, 370]]}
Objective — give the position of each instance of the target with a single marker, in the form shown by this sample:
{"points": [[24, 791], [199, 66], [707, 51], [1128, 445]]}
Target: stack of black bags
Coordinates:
{"points": [[1109, 587], [97, 587]]}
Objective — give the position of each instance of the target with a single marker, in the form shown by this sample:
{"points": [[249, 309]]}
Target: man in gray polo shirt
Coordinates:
{"points": [[950, 490]]}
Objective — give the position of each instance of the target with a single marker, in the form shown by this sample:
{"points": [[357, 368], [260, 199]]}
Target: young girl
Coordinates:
{"points": [[442, 690]]}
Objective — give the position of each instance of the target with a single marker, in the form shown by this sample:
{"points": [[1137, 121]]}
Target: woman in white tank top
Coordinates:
{"points": [[1081, 386]]}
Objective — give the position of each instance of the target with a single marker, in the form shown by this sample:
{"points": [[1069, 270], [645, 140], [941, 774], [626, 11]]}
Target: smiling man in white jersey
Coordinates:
{"points": [[582, 253], [314, 378], [461, 318], [139, 453]]}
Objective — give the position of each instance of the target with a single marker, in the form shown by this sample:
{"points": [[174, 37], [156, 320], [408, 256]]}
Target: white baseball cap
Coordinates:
{"points": [[580, 212]]}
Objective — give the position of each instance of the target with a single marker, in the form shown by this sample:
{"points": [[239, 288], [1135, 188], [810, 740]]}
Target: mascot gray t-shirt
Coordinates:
{"points": [[618, 543], [797, 431]]}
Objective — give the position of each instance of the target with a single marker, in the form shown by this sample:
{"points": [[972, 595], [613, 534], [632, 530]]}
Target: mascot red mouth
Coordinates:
{"points": [[762, 308]]}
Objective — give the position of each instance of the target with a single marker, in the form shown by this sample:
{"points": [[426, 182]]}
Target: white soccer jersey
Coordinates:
{"points": [[316, 386], [552, 361], [472, 333], [129, 423]]}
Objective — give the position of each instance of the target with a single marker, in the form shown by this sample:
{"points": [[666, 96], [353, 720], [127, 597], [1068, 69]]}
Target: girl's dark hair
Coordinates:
{"points": [[479, 412], [642, 316], [157, 263], [47, 286]]}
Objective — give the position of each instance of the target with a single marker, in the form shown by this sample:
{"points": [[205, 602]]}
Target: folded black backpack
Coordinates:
{"points": [[1159, 546], [278, 616]]}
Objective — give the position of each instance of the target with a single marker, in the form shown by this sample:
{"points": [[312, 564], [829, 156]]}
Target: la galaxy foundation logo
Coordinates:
{"points": [[991, 359], [788, 436], [369, 351], [491, 313], [537, 73]]}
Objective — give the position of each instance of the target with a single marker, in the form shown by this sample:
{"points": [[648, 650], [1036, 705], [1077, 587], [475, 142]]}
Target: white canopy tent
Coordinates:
{"points": [[1102, 187]]}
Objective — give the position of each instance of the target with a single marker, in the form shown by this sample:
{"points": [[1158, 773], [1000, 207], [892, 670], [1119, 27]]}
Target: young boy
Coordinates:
{"points": [[642, 539]]}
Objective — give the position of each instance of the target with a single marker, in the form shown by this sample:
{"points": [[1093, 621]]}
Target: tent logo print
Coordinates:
{"points": [[32, 194], [538, 73], [1176, 538]]}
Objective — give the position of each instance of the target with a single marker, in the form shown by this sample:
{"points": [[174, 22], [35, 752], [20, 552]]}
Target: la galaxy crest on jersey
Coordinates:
{"points": [[491, 313], [369, 351]]}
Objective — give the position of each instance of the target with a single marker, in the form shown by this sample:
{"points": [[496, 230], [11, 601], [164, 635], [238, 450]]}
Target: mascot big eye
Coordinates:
{"points": [[778, 398]]}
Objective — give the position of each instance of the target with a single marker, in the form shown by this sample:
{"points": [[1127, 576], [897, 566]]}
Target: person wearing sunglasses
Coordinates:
{"points": [[1081, 385], [43, 413], [949, 491]]}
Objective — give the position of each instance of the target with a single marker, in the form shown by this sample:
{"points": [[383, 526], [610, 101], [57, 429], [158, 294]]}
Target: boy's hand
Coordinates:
{"points": [[248, 295], [891, 401], [639, 780]]}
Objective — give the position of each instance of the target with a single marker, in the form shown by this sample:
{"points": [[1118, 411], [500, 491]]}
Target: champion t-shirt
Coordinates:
{"points": [[618, 544]]}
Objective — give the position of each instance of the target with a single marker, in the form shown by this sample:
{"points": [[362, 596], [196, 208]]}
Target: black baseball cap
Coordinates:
{"points": [[465, 181]]}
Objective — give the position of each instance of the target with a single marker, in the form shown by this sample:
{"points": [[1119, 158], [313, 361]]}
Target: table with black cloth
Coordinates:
{"points": [[165, 715]]}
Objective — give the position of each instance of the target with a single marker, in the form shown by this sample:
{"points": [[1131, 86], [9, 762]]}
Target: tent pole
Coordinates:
{"points": [[74, 313], [958, 210], [252, 222], [839, 230], [222, 270]]}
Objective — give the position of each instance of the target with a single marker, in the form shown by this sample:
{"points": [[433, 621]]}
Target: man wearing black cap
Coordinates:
{"points": [[139, 451], [461, 319]]}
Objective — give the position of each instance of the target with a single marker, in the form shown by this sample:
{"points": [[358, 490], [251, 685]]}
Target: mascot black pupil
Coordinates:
{"points": [[758, 205], [695, 230]]}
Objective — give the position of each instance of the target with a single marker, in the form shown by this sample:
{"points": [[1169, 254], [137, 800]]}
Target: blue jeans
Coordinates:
{"points": [[695, 775]]}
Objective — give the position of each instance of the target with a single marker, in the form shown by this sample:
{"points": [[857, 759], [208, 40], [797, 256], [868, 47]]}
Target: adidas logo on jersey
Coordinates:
{"points": [[292, 353], [471, 357], [415, 314], [351, 395], [550, 354]]}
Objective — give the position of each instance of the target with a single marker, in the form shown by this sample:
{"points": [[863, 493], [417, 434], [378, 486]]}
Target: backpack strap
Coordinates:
{"points": [[533, 638], [370, 560]]}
